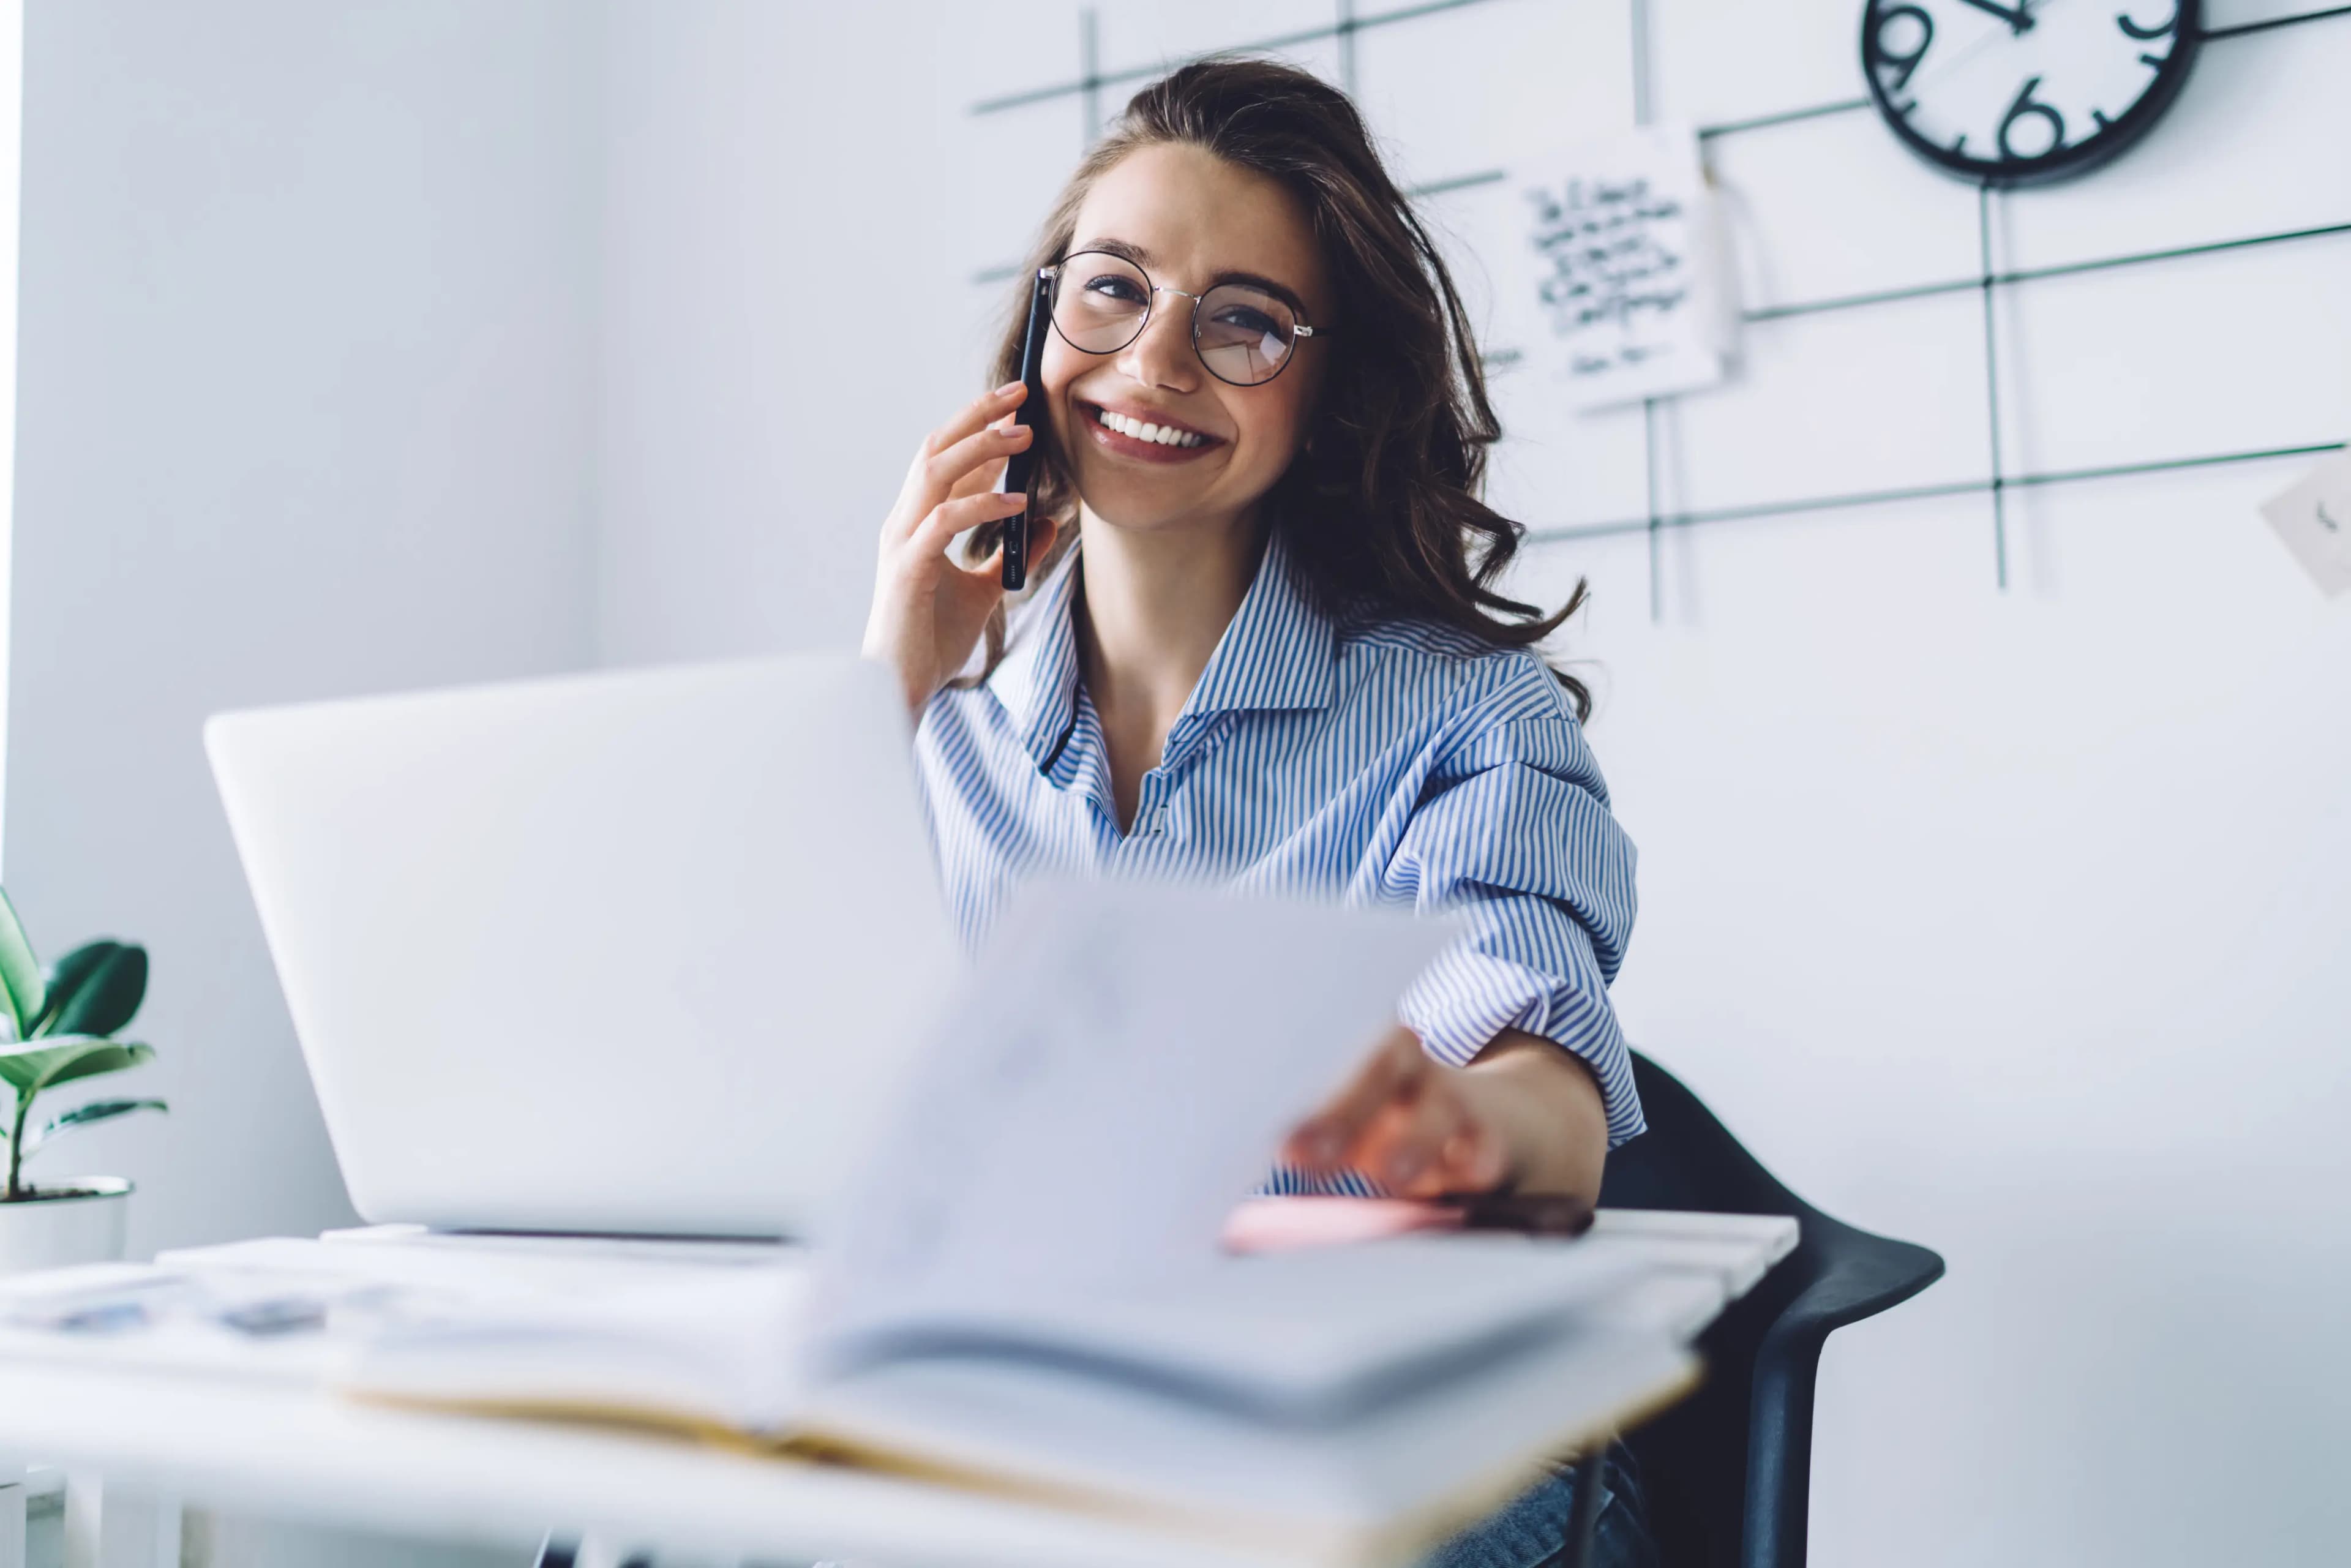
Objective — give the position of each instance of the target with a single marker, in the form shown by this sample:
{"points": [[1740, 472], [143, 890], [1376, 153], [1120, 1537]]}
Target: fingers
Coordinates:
{"points": [[1323, 1139], [1407, 1124], [925, 613], [1404, 1151], [1473, 1159], [949, 519], [990, 445], [950, 452], [980, 480], [990, 472], [938, 478], [1042, 532], [980, 411]]}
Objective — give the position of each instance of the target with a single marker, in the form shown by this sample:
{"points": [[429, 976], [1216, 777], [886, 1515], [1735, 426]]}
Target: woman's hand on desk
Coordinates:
{"points": [[928, 610], [1524, 1116]]}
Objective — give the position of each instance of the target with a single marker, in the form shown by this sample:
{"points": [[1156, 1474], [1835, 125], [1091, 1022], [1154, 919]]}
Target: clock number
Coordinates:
{"points": [[2027, 107], [1888, 58], [2169, 24]]}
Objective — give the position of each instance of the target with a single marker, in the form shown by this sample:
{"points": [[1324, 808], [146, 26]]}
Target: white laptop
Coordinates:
{"points": [[638, 953]]}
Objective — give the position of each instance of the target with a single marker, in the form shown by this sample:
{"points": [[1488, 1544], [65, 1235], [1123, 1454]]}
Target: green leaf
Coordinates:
{"points": [[95, 990], [22, 990], [99, 1111], [84, 1115], [60, 1059]]}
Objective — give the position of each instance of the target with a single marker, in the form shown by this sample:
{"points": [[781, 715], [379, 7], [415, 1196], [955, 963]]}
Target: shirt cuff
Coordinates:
{"points": [[1463, 1000]]}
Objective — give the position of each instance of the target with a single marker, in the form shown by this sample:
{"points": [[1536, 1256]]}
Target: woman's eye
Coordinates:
{"points": [[1256, 323], [1111, 286]]}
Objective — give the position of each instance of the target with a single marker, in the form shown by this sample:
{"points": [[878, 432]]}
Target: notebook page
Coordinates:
{"points": [[1319, 1337]]}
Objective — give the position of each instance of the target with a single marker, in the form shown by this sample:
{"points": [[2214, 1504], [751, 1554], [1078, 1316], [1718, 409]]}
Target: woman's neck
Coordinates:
{"points": [[1154, 608]]}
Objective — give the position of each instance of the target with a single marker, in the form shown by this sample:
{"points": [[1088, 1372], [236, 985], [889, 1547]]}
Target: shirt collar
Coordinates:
{"points": [[1280, 652]]}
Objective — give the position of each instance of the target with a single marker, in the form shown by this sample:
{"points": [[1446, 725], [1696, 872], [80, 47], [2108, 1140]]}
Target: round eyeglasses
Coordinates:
{"points": [[1243, 334]]}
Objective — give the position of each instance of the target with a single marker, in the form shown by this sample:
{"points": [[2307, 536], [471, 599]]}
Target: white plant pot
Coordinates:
{"points": [[82, 1224]]}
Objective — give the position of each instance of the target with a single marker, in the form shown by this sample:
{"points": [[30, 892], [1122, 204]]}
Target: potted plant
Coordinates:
{"points": [[56, 1027]]}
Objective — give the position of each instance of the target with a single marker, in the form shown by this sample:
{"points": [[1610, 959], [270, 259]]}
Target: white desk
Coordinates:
{"points": [[285, 1448]]}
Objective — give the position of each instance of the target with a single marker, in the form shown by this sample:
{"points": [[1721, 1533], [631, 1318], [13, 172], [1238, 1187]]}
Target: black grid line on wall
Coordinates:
{"points": [[1990, 282]]}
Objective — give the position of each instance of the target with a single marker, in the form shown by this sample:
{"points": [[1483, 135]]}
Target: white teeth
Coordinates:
{"points": [[1164, 434]]}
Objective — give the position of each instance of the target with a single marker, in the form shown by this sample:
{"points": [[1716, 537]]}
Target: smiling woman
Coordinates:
{"points": [[1265, 644], [1278, 168]]}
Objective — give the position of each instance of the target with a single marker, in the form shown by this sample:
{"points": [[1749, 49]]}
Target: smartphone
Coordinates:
{"points": [[1022, 464]]}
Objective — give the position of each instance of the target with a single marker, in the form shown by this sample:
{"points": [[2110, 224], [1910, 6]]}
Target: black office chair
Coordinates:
{"points": [[1726, 1473]]}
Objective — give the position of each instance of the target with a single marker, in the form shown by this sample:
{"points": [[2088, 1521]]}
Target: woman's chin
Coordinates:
{"points": [[1155, 517], [1132, 508]]}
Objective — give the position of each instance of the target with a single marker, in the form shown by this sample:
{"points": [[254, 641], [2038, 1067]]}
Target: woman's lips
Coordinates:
{"points": [[1121, 444]]}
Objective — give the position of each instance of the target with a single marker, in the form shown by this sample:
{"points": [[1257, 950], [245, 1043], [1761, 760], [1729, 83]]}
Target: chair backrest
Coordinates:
{"points": [[1726, 1473]]}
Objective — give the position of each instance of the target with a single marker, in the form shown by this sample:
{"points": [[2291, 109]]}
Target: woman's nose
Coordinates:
{"points": [[1161, 354]]}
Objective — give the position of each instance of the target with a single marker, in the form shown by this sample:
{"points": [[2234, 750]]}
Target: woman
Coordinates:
{"points": [[1264, 641]]}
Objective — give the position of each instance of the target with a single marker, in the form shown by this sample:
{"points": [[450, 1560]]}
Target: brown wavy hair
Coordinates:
{"points": [[1381, 506]]}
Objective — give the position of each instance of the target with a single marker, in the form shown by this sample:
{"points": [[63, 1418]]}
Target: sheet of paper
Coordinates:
{"points": [[1618, 286], [2313, 518], [1118, 1072]]}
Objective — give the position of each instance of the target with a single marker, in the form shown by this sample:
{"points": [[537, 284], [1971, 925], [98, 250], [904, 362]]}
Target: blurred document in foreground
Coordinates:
{"points": [[1616, 285], [1120, 1071]]}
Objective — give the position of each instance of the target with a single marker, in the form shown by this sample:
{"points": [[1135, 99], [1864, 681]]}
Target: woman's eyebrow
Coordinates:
{"points": [[1117, 248], [1127, 251]]}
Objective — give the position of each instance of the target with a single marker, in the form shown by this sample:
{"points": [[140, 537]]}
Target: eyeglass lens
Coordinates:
{"points": [[1244, 334]]}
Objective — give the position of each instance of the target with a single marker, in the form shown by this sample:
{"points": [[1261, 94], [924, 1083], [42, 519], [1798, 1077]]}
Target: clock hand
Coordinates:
{"points": [[2019, 17], [1946, 67]]}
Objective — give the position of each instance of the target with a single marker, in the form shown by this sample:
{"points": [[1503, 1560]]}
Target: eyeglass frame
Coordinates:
{"points": [[1298, 327]]}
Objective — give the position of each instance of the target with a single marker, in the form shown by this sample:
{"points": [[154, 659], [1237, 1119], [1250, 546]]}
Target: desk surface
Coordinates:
{"points": [[285, 1447]]}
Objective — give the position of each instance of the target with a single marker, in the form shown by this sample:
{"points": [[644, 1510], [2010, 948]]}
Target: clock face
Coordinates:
{"points": [[2010, 92]]}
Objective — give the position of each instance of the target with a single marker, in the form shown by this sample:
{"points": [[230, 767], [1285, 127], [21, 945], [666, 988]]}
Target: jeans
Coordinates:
{"points": [[1532, 1531]]}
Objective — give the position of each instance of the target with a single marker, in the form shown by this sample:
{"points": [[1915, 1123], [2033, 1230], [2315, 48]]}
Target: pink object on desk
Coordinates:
{"points": [[1278, 1224]]}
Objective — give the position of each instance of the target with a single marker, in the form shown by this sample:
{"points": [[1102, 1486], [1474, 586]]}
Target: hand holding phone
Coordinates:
{"points": [[929, 610], [1022, 464]]}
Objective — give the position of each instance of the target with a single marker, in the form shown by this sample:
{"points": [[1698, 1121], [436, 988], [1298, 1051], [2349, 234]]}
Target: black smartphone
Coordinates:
{"points": [[1022, 464]]}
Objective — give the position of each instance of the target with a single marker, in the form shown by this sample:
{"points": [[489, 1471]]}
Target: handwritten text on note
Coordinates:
{"points": [[1619, 291]]}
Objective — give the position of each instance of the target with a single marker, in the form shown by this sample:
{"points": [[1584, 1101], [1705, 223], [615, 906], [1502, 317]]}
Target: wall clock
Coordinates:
{"points": [[2015, 92]]}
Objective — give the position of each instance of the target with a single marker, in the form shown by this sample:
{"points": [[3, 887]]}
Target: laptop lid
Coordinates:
{"points": [[636, 952]]}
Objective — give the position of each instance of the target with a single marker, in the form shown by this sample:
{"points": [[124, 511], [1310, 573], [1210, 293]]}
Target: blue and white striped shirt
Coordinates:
{"points": [[1391, 762]]}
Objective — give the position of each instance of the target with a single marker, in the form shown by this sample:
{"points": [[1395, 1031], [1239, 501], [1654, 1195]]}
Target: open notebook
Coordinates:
{"points": [[1024, 1288]]}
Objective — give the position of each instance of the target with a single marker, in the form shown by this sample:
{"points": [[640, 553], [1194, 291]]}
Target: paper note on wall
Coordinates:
{"points": [[2313, 518], [1618, 285]]}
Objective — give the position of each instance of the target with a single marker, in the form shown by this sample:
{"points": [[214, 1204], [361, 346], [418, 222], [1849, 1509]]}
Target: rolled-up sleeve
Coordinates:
{"points": [[1512, 831]]}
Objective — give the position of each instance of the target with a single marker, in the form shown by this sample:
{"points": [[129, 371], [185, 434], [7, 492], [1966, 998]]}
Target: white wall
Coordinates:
{"points": [[307, 407], [12, 126], [785, 311], [2010, 922]]}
